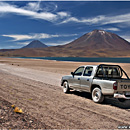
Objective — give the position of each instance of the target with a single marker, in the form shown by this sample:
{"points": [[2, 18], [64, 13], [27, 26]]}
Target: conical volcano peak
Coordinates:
{"points": [[100, 39], [35, 44], [96, 30], [99, 31]]}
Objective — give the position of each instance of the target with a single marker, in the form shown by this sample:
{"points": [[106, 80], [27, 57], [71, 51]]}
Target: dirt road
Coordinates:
{"points": [[38, 93], [37, 75]]}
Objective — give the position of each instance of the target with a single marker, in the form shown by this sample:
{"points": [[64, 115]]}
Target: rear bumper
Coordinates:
{"points": [[117, 95]]}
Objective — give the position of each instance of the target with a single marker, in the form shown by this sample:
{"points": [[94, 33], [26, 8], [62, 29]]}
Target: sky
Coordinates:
{"points": [[60, 22]]}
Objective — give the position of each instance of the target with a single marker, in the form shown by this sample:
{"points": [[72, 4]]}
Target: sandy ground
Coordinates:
{"points": [[34, 86]]}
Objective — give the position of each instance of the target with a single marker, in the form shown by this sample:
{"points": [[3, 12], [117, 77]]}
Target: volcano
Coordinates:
{"points": [[35, 44], [99, 40]]}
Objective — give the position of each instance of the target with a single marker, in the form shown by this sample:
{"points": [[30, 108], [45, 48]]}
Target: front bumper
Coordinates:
{"points": [[117, 95]]}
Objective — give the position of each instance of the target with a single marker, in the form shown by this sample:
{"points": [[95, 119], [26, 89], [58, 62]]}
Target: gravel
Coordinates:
{"points": [[12, 120]]}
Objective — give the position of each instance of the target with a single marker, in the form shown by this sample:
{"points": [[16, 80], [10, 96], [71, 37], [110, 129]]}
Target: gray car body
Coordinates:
{"points": [[87, 83]]}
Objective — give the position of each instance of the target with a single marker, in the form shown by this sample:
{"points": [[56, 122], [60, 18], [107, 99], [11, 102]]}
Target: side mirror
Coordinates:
{"points": [[72, 73]]}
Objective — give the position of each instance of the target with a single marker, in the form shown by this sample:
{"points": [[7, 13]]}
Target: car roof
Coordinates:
{"points": [[99, 65], [89, 65]]}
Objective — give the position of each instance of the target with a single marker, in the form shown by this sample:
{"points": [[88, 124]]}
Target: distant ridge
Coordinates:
{"points": [[97, 43], [35, 44]]}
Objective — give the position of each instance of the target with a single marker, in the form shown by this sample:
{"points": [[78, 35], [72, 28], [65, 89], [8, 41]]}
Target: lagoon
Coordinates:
{"points": [[83, 59]]}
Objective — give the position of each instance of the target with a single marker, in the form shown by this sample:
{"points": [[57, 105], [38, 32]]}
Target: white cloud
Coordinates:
{"points": [[30, 36], [17, 37], [59, 43], [63, 14], [35, 11], [34, 6], [124, 18], [23, 43], [31, 10], [126, 37], [101, 19], [111, 29], [84, 20], [49, 7], [6, 8]]}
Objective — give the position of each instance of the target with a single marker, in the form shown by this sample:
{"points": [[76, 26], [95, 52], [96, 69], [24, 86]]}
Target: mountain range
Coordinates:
{"points": [[97, 43]]}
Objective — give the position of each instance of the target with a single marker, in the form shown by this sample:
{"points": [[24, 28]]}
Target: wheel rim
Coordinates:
{"points": [[96, 95], [65, 87]]}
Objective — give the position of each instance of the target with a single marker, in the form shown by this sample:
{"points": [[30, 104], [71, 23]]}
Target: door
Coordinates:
{"points": [[76, 80], [86, 79]]}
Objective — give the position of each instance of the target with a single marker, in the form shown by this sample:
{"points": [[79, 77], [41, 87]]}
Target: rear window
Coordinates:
{"points": [[109, 71]]}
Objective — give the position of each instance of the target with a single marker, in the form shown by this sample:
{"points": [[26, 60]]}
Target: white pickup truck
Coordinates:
{"points": [[99, 80]]}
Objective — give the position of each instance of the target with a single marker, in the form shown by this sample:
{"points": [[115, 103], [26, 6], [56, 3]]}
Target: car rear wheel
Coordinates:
{"points": [[66, 88], [97, 95]]}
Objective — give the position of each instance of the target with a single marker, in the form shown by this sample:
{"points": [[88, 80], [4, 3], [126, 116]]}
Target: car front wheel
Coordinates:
{"points": [[66, 88], [97, 95]]}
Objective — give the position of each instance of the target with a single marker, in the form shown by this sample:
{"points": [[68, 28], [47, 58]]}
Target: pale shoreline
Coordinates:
{"points": [[61, 67]]}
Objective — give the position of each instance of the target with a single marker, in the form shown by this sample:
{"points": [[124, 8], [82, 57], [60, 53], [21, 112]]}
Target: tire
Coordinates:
{"points": [[121, 99], [66, 88], [97, 95]]}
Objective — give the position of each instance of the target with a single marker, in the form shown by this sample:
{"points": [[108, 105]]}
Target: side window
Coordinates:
{"points": [[79, 71], [88, 71]]}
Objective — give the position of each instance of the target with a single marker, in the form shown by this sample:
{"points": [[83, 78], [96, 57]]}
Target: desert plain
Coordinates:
{"points": [[34, 86]]}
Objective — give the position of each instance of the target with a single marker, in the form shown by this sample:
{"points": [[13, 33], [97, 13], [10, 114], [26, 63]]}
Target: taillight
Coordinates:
{"points": [[115, 86]]}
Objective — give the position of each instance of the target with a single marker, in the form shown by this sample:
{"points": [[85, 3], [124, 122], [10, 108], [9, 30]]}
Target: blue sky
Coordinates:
{"points": [[60, 22]]}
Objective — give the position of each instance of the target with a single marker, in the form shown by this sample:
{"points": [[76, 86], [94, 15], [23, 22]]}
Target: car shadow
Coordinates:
{"points": [[117, 103], [107, 101], [81, 94]]}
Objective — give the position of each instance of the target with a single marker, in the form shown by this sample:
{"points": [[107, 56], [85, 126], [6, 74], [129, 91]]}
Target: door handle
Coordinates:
{"points": [[87, 79], [78, 78]]}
